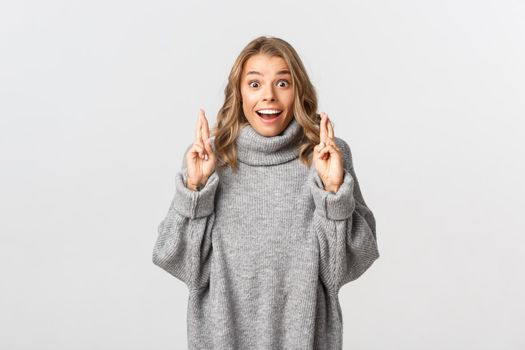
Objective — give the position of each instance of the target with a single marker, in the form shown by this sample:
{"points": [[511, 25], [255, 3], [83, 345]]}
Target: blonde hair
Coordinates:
{"points": [[230, 118]]}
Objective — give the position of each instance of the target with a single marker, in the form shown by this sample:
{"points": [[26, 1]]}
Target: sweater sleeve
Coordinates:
{"points": [[345, 227], [184, 243]]}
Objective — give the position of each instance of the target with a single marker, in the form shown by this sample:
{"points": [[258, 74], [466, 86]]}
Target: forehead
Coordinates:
{"points": [[265, 65]]}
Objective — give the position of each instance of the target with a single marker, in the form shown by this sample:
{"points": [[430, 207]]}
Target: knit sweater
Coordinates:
{"points": [[265, 251]]}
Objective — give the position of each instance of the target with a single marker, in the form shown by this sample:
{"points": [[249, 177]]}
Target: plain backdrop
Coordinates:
{"points": [[99, 99]]}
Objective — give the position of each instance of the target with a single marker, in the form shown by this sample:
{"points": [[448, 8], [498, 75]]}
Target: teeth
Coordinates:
{"points": [[269, 111]]}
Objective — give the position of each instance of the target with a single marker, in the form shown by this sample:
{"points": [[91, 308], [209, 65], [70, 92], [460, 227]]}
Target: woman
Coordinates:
{"points": [[268, 221]]}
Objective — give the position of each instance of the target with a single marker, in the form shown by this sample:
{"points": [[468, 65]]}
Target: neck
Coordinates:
{"points": [[258, 150]]}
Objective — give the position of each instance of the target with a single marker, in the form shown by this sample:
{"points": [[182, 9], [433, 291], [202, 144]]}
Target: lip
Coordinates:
{"points": [[270, 121], [261, 109]]}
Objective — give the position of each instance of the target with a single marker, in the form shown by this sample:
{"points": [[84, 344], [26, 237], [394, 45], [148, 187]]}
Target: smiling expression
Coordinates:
{"points": [[266, 87]]}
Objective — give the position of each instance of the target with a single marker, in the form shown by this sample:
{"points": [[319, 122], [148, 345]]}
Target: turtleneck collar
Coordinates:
{"points": [[256, 149]]}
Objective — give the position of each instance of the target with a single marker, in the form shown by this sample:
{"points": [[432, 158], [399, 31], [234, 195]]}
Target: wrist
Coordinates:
{"points": [[195, 187], [332, 188]]}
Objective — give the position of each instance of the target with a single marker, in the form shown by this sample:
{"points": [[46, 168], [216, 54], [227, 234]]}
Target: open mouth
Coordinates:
{"points": [[269, 116]]}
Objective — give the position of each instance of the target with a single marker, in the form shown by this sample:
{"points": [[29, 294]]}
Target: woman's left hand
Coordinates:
{"points": [[328, 157]]}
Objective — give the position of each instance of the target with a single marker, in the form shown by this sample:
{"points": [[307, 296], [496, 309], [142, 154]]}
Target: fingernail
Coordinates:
{"points": [[321, 144], [206, 157]]}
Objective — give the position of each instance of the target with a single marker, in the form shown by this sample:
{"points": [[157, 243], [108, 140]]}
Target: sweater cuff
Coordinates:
{"points": [[334, 206], [195, 204]]}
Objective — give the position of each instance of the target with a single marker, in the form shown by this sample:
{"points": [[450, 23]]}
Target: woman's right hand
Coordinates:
{"points": [[200, 158]]}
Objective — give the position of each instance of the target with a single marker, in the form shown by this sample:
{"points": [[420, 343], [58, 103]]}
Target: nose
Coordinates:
{"points": [[269, 94]]}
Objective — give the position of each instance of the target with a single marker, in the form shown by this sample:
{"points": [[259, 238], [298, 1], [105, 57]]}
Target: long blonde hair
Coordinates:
{"points": [[230, 118]]}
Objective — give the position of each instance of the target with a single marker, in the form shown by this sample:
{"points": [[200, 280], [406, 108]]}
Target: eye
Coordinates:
{"points": [[284, 81], [252, 82]]}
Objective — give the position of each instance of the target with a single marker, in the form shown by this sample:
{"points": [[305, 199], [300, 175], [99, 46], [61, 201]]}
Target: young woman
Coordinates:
{"points": [[268, 221]]}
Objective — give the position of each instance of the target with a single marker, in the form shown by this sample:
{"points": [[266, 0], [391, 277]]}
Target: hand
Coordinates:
{"points": [[200, 158], [328, 157]]}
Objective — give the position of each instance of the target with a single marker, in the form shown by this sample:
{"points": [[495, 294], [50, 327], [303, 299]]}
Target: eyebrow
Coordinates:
{"points": [[281, 72]]}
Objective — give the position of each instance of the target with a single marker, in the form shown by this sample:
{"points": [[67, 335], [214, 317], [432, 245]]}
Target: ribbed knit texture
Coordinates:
{"points": [[264, 251]]}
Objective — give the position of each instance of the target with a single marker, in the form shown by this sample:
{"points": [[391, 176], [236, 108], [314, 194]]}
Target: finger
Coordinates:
{"points": [[324, 156], [323, 151], [318, 153], [328, 149], [326, 130], [205, 130], [199, 133], [322, 131], [204, 127], [197, 150], [330, 129], [198, 129], [334, 145]]}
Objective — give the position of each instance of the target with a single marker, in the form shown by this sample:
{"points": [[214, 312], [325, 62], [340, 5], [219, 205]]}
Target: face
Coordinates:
{"points": [[266, 87]]}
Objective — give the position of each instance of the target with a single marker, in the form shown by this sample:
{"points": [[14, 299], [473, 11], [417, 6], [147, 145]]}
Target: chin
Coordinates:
{"points": [[268, 133]]}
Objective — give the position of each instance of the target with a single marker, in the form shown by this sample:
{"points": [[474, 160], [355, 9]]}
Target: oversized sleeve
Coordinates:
{"points": [[184, 243], [345, 227]]}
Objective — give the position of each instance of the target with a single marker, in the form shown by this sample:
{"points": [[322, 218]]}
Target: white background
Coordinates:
{"points": [[99, 99]]}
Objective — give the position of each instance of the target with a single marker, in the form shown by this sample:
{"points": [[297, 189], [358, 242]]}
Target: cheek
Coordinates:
{"points": [[247, 103], [250, 99], [289, 99]]}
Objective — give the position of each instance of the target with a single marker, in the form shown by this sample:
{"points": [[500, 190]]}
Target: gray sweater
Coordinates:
{"points": [[265, 251]]}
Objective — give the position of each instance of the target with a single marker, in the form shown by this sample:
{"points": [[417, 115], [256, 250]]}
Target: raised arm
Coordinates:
{"points": [[184, 242], [345, 226]]}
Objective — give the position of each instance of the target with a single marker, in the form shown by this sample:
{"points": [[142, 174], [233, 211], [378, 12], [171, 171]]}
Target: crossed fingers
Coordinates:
{"points": [[202, 134], [326, 134]]}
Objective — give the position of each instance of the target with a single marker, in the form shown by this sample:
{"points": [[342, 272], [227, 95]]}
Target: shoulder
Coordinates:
{"points": [[347, 153]]}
